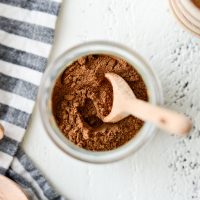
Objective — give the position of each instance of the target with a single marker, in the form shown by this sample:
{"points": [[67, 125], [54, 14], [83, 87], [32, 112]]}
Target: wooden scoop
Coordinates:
{"points": [[125, 103], [1, 131], [9, 190]]}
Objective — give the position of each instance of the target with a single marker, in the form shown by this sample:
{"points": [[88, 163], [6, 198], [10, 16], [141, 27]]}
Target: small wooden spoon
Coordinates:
{"points": [[1, 131], [9, 190], [125, 103]]}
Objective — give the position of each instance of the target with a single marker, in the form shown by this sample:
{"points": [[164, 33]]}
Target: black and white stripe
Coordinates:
{"points": [[18, 86], [50, 7], [20, 103], [32, 46], [8, 146], [12, 131], [6, 159], [29, 190], [3, 170], [17, 71], [26, 35], [14, 116], [22, 58], [33, 17], [24, 29], [23, 164]]}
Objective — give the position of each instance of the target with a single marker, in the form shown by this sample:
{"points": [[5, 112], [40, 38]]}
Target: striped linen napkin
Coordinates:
{"points": [[26, 36]]}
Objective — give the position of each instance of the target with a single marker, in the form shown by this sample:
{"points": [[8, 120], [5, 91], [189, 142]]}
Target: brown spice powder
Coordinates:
{"points": [[82, 96]]}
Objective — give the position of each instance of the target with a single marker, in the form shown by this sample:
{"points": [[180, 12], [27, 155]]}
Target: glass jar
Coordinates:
{"points": [[55, 69]]}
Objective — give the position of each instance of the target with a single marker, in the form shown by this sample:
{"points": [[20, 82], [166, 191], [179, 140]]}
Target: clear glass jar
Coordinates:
{"points": [[53, 71]]}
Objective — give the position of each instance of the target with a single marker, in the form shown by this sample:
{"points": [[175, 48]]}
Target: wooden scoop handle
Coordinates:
{"points": [[163, 118]]}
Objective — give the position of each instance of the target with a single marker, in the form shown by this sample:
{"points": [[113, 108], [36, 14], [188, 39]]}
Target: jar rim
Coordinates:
{"points": [[55, 68]]}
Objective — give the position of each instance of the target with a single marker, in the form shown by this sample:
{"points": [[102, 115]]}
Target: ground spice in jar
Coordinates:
{"points": [[82, 96]]}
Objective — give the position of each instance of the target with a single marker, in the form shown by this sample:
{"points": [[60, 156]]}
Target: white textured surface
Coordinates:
{"points": [[168, 167]]}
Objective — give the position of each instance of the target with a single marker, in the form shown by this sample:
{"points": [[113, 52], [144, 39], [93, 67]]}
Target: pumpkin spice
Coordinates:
{"points": [[82, 96]]}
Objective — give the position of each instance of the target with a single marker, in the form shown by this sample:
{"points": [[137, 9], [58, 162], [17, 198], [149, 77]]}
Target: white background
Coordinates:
{"points": [[168, 167]]}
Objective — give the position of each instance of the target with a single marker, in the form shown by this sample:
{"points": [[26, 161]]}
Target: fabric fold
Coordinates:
{"points": [[26, 36]]}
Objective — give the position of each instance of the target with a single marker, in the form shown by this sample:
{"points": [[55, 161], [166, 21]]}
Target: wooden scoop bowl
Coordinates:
{"points": [[9, 190], [1, 131], [125, 103]]}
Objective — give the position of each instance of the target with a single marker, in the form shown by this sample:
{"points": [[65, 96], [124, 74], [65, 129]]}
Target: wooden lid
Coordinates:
{"points": [[191, 17], [9, 190], [185, 15], [197, 3]]}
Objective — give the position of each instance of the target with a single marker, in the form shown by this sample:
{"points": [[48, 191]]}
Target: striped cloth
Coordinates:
{"points": [[26, 36]]}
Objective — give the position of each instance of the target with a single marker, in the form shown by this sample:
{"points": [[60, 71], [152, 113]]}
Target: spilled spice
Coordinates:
{"points": [[82, 96]]}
